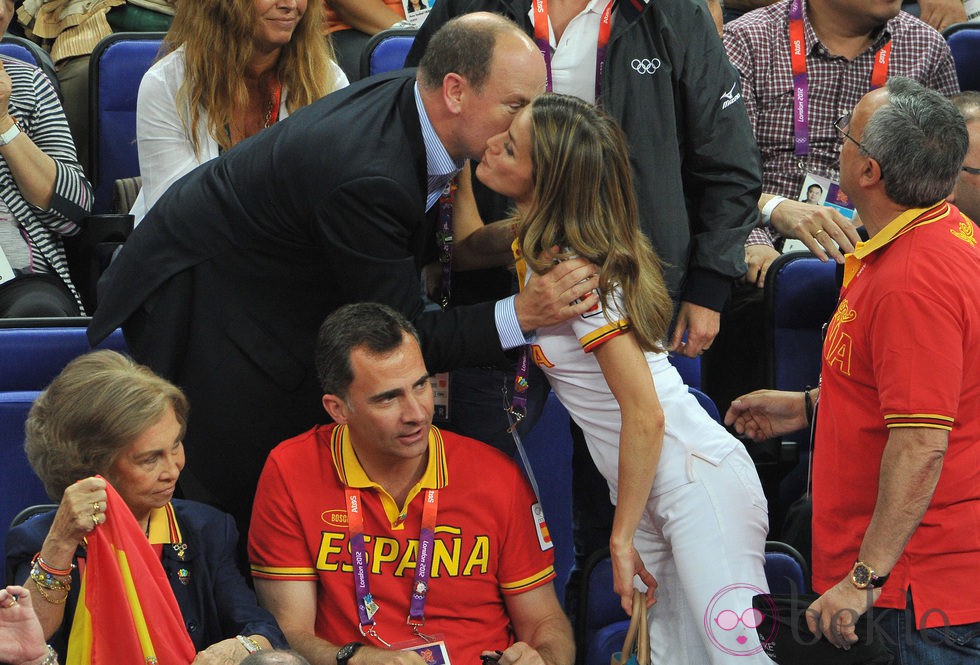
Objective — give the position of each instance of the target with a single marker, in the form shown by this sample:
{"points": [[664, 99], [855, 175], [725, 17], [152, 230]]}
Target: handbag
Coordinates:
{"points": [[787, 639], [636, 646]]}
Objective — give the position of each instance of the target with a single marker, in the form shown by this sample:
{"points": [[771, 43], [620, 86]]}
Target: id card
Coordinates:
{"points": [[820, 191], [416, 10], [433, 653]]}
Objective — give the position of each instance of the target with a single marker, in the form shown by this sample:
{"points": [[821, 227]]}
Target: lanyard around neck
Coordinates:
{"points": [[542, 37], [367, 607], [797, 53]]}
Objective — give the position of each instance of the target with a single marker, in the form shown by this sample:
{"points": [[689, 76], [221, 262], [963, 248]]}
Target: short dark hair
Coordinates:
{"points": [[463, 45], [375, 327], [812, 185]]}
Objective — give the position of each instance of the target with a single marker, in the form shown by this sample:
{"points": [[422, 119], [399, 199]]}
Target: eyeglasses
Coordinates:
{"points": [[841, 125], [972, 169]]}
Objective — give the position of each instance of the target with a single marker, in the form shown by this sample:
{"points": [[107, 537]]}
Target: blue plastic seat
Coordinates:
{"points": [[386, 51], [115, 71], [27, 51], [964, 43]]}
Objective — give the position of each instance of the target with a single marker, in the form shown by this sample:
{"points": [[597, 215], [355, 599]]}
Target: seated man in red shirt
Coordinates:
{"points": [[382, 539]]}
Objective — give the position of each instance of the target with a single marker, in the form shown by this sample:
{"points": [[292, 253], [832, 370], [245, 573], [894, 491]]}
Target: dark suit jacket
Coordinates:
{"points": [[224, 284], [216, 603]]}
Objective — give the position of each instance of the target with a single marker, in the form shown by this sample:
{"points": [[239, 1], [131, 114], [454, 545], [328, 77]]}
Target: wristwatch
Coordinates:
{"points": [[863, 576], [347, 652], [10, 134]]}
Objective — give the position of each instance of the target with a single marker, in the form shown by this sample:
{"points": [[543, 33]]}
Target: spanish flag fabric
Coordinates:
{"points": [[126, 610]]}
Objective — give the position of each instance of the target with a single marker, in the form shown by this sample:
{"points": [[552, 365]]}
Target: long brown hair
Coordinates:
{"points": [[583, 202], [218, 37]]}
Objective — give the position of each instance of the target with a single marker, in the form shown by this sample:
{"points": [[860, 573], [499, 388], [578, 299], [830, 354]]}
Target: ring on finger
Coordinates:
{"points": [[95, 519], [818, 232], [96, 507]]}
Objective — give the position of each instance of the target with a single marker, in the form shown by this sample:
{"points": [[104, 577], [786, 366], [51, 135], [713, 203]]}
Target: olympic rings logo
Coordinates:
{"points": [[645, 66]]}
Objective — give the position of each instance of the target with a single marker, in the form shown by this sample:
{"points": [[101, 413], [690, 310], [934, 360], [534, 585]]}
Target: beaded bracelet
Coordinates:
{"points": [[45, 581], [49, 569], [51, 658]]}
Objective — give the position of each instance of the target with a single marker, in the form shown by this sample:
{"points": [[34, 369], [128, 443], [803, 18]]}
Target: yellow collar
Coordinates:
{"points": [[352, 474], [908, 220], [163, 526]]}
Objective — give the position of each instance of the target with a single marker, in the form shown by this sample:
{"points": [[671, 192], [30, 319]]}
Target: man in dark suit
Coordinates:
{"points": [[223, 285]]}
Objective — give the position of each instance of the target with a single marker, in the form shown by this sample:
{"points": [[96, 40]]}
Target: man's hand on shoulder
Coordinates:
{"points": [[565, 291], [374, 656], [820, 228], [941, 14]]}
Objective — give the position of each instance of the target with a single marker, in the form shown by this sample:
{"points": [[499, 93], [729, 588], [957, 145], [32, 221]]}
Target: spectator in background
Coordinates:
{"points": [[842, 42], [43, 193], [71, 29], [940, 14], [351, 23], [966, 194], [234, 68]]}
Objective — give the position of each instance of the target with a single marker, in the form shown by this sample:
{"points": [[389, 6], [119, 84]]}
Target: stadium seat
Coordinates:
{"points": [[688, 368], [20, 518], [115, 71], [600, 623], [706, 403], [786, 570], [549, 449], [386, 51], [27, 51], [801, 294], [32, 352], [964, 42]]}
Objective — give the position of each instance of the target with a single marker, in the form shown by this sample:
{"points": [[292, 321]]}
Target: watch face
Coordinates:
{"points": [[861, 575]]}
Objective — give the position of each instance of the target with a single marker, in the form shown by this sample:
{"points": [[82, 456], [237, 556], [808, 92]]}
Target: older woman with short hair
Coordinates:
{"points": [[105, 418]]}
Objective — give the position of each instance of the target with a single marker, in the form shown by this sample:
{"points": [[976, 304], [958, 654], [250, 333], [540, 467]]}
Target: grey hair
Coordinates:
{"points": [[919, 140]]}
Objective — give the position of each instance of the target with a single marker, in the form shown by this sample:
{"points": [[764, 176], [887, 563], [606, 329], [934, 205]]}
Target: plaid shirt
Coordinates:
{"points": [[758, 46]]}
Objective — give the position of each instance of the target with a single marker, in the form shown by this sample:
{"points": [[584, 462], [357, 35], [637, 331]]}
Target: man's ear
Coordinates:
{"points": [[337, 408], [871, 173], [453, 90]]}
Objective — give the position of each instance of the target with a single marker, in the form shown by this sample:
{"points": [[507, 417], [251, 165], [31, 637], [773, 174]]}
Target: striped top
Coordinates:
{"points": [[35, 106]]}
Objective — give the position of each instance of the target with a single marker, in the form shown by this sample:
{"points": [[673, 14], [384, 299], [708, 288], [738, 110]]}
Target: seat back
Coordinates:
{"points": [[32, 353], [115, 71], [549, 449], [801, 294], [688, 368], [27, 51], [21, 488], [964, 43], [386, 51], [786, 570], [600, 618], [20, 518], [706, 403]]}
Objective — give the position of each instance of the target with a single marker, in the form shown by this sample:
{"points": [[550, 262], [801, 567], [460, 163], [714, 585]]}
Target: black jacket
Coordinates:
{"points": [[695, 161]]}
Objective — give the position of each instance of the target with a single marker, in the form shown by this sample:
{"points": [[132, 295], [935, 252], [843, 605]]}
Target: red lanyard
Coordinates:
{"points": [[797, 54], [367, 607], [542, 37]]}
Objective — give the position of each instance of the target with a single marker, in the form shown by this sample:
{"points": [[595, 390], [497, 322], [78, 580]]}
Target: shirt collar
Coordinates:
{"points": [[905, 222], [163, 526], [811, 41], [352, 474], [438, 162]]}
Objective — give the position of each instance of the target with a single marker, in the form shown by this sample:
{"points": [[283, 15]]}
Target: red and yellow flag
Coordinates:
{"points": [[126, 610]]}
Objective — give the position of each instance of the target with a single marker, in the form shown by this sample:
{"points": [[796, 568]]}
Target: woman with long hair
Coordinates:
{"points": [[233, 67], [691, 517]]}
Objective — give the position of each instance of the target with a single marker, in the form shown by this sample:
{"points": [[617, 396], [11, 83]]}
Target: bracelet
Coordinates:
{"points": [[808, 405], [51, 658], [250, 645], [45, 581], [59, 572], [768, 209]]}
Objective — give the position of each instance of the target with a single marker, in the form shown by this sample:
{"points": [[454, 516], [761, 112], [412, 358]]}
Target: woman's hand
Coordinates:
{"points": [[626, 563], [82, 509], [21, 639]]}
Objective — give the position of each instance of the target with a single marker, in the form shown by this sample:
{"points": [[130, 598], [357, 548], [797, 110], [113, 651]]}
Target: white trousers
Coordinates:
{"points": [[704, 542]]}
